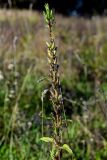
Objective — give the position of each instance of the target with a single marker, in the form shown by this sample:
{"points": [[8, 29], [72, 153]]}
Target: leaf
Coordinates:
{"points": [[50, 55], [49, 61], [48, 45], [67, 148], [47, 139]]}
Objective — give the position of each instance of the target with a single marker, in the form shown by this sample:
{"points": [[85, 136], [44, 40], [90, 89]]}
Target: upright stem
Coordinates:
{"points": [[55, 91], [55, 87]]}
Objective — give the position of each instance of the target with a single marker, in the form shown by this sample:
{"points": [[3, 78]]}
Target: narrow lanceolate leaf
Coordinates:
{"points": [[47, 139], [49, 54], [48, 45], [67, 148], [49, 61]]}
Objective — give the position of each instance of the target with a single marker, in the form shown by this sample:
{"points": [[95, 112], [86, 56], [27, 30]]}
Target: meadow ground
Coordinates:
{"points": [[82, 54]]}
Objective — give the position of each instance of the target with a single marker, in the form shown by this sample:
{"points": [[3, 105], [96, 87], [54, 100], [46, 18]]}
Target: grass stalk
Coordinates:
{"points": [[54, 91]]}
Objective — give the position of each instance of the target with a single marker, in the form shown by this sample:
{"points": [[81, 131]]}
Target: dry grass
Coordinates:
{"points": [[82, 47]]}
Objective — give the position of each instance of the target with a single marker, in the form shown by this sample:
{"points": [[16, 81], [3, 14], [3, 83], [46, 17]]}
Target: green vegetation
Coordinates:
{"points": [[82, 48]]}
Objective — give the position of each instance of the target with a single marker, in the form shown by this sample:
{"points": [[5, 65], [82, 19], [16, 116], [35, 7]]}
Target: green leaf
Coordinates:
{"points": [[48, 14], [47, 139], [67, 148]]}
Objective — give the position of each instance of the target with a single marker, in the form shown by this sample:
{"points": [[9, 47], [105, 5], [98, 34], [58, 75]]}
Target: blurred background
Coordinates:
{"points": [[69, 7], [81, 37]]}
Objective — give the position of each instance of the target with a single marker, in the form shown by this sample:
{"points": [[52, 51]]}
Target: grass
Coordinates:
{"points": [[82, 46]]}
